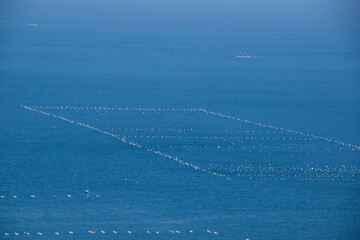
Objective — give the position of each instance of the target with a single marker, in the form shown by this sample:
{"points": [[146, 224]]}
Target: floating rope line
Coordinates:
{"points": [[112, 232], [124, 140], [99, 108], [354, 147], [51, 196], [195, 130]]}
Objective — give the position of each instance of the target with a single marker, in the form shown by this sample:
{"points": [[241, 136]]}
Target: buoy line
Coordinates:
{"points": [[354, 147], [124, 140], [48, 196], [99, 108], [111, 232], [195, 130]]}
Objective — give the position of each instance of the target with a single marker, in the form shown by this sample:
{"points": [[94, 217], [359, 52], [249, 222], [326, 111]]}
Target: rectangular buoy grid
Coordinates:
{"points": [[266, 139]]}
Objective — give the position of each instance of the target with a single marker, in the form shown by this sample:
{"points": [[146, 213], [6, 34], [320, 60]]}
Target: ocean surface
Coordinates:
{"points": [[182, 120]]}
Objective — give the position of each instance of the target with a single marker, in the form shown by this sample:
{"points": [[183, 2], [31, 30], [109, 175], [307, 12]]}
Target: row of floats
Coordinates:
{"points": [[92, 231]]}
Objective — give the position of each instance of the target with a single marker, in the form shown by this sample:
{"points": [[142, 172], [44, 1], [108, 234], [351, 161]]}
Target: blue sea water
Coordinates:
{"points": [[244, 181]]}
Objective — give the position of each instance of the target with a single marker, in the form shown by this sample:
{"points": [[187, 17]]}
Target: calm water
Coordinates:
{"points": [[242, 180]]}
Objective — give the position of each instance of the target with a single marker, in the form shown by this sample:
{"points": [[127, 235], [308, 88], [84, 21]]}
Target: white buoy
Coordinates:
{"points": [[129, 232]]}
